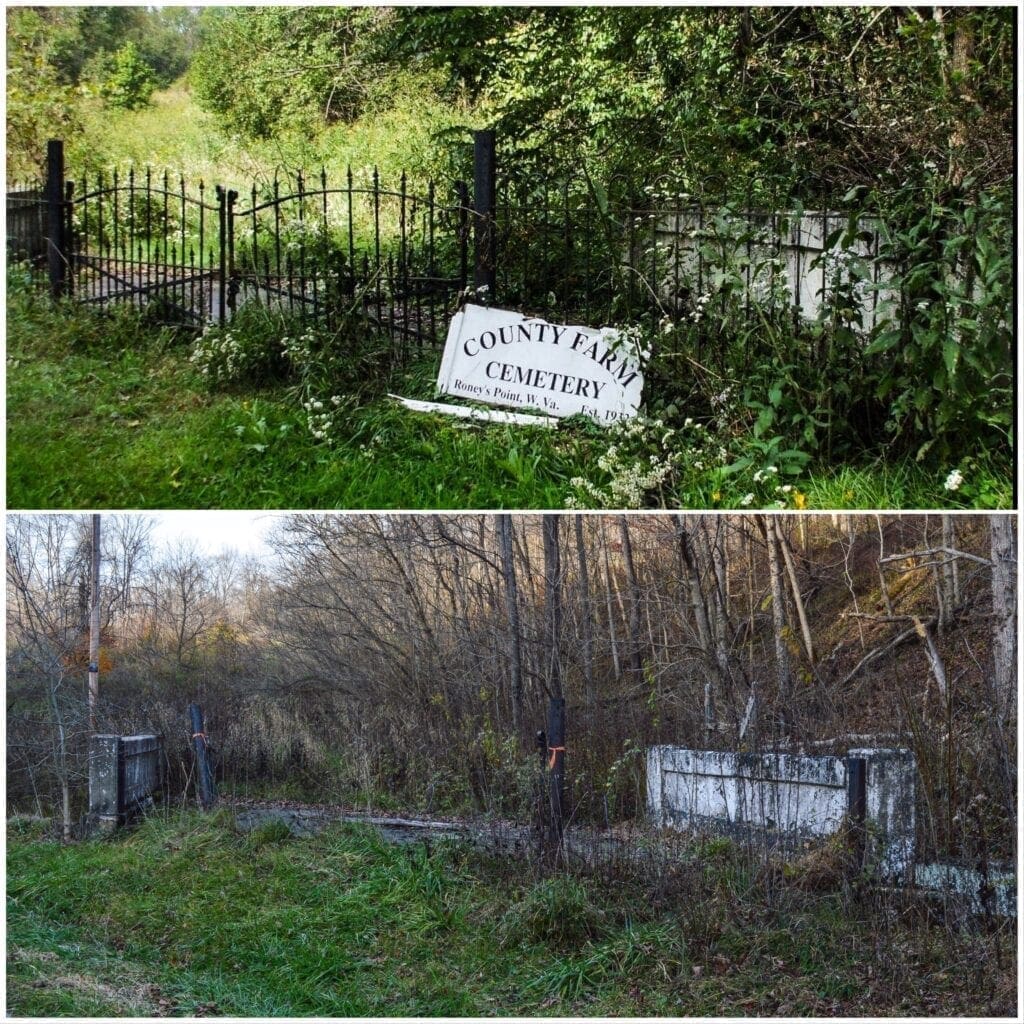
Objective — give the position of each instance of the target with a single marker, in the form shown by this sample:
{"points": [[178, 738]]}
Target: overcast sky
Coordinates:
{"points": [[214, 532]]}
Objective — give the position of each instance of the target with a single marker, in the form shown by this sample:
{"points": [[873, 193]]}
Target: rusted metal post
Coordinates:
{"points": [[856, 790], [556, 766], [207, 793], [485, 209], [56, 241]]}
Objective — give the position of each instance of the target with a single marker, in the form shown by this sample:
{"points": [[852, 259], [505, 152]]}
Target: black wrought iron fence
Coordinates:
{"points": [[147, 241], [192, 254], [393, 257], [26, 221], [398, 255]]}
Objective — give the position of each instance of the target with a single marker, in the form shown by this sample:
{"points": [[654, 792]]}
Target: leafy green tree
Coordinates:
{"points": [[131, 81], [266, 70], [78, 34], [797, 99], [167, 40], [39, 105]]}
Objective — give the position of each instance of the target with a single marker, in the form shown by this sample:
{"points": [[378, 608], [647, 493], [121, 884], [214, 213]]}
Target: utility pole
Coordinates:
{"points": [[94, 626], [556, 702]]}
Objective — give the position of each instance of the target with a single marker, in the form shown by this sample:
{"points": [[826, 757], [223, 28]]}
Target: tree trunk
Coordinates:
{"points": [[508, 572], [556, 703], [798, 600], [94, 625], [586, 613], [1004, 612], [783, 674], [636, 665], [949, 575], [714, 656], [616, 665], [553, 604]]}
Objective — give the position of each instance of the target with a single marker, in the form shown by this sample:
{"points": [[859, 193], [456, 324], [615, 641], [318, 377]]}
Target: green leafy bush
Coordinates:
{"points": [[131, 82], [944, 341]]}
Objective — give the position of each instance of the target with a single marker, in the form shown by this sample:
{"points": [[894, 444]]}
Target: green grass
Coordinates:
{"points": [[105, 412], [187, 916], [100, 421]]}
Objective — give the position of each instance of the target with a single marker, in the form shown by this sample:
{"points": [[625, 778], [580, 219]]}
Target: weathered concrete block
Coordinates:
{"points": [[968, 884], [141, 773], [731, 793], [891, 811], [104, 778], [124, 772], [787, 798]]}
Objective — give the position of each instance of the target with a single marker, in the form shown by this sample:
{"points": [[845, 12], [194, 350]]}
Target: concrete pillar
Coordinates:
{"points": [[105, 780], [890, 811]]}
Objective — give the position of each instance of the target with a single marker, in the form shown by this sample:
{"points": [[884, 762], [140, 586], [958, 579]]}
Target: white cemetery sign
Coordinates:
{"points": [[500, 357]]}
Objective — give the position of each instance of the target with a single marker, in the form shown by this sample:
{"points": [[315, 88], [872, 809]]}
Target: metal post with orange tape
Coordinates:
{"points": [[556, 765], [207, 793]]}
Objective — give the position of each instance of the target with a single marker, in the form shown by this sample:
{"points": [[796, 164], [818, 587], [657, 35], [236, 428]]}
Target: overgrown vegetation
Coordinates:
{"points": [[381, 662], [906, 366], [271, 414], [185, 917]]}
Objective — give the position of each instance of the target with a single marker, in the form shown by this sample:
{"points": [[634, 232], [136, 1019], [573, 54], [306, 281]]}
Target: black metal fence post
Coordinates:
{"points": [[222, 267], [69, 246], [556, 766], [56, 239], [231, 272], [207, 793], [462, 199], [856, 796], [485, 210]]}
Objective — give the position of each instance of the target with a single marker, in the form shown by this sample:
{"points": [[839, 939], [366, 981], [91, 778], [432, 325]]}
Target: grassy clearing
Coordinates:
{"points": [[175, 134], [120, 419], [187, 916], [107, 412]]}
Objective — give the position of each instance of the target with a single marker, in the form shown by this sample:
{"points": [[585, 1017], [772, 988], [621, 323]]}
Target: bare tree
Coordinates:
{"points": [[586, 612], [784, 679], [43, 630], [636, 665], [1003, 548], [508, 572]]}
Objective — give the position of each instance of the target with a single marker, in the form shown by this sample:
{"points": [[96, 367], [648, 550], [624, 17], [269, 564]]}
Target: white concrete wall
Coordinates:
{"points": [[891, 811], [791, 796], [680, 235], [779, 791], [967, 884]]}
